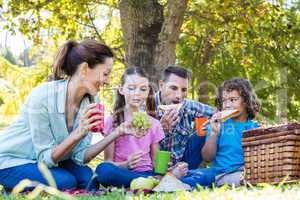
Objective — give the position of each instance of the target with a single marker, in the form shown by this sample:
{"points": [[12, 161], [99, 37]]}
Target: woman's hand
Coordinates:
{"points": [[134, 160], [89, 119]]}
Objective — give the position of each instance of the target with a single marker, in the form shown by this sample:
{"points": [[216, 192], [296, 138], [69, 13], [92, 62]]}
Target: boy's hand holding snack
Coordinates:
{"points": [[220, 117], [215, 123]]}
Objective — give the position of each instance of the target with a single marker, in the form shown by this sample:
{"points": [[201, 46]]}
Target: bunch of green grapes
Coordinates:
{"points": [[141, 121]]}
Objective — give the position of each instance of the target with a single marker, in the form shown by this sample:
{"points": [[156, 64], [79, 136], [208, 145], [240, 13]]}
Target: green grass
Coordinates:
{"points": [[262, 192]]}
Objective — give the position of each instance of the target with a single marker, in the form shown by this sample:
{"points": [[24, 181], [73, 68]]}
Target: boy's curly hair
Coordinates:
{"points": [[244, 87]]}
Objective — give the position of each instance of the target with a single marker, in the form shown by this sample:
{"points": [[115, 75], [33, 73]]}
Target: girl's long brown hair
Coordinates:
{"points": [[119, 104]]}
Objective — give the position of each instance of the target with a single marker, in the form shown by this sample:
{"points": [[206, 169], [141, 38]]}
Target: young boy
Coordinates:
{"points": [[223, 145]]}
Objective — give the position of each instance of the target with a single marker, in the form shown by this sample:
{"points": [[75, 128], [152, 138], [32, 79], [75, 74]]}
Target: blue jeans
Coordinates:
{"points": [[67, 175], [204, 177], [192, 154], [109, 174]]}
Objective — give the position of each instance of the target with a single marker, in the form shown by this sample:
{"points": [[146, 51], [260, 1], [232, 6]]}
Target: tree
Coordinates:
{"points": [[151, 33], [150, 27], [258, 40], [215, 39]]}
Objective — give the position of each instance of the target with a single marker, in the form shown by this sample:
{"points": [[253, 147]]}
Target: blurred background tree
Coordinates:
{"points": [[258, 40], [215, 39]]}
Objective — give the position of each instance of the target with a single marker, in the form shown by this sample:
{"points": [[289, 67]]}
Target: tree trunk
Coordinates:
{"points": [[150, 33], [282, 97], [207, 54]]}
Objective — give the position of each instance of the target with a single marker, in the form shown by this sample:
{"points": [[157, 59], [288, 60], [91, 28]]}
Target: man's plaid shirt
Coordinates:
{"points": [[176, 140]]}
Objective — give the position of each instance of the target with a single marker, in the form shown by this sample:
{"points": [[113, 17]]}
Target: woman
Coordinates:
{"points": [[55, 120]]}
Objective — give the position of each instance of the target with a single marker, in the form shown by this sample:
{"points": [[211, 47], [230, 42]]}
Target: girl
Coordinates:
{"points": [[223, 145], [130, 157], [55, 121]]}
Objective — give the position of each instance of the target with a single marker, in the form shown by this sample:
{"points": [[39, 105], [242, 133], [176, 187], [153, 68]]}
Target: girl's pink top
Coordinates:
{"points": [[128, 144]]}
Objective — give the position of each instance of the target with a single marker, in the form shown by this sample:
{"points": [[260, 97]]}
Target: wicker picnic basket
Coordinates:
{"points": [[272, 154]]}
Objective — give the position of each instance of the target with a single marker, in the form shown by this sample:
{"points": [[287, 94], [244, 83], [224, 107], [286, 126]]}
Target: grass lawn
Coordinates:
{"points": [[258, 193]]}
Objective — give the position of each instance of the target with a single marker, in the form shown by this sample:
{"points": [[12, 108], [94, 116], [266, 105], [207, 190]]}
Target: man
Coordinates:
{"points": [[180, 137]]}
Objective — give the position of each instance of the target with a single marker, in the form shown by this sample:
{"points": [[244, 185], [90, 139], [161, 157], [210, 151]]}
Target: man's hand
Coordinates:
{"points": [[169, 119]]}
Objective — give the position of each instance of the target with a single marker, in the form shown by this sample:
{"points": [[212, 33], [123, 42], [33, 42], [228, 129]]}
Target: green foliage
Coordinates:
{"points": [[250, 39], [258, 40], [8, 55], [20, 81], [16, 83], [54, 22], [107, 93]]}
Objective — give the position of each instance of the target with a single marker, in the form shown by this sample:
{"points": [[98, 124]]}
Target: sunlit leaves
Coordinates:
{"points": [[251, 39]]}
